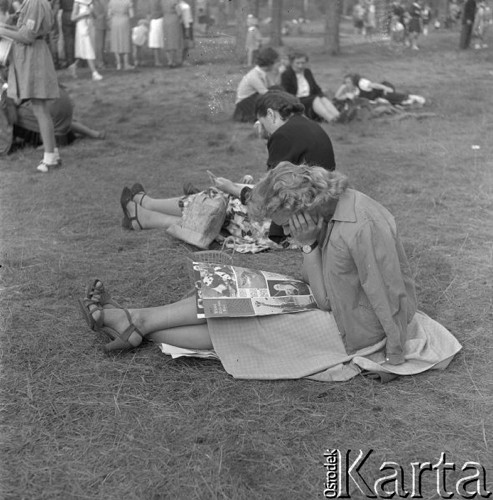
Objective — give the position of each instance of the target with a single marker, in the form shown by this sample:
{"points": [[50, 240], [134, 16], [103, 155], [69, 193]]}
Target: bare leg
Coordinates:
{"points": [[45, 121], [79, 128], [149, 219], [188, 337], [126, 64], [175, 324], [157, 59], [168, 206], [117, 61], [325, 109]]}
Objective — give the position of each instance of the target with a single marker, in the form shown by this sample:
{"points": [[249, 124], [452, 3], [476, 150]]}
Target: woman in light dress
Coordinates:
{"points": [[83, 16], [120, 12]]}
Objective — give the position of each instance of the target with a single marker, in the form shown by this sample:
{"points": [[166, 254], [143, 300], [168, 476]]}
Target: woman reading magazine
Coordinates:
{"points": [[354, 262]]}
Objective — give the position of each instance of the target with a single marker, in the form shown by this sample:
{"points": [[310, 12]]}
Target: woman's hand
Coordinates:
{"points": [[225, 185], [305, 227]]}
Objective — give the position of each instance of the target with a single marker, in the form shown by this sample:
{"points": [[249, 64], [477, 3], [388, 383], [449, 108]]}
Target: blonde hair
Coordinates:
{"points": [[295, 188]]}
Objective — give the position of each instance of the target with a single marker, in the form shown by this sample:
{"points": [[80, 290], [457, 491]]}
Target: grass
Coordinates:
{"points": [[79, 424]]}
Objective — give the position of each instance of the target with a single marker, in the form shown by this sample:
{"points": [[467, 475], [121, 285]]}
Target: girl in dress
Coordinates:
{"points": [[82, 15], [32, 73]]}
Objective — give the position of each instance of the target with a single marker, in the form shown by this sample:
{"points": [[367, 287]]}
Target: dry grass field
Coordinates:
{"points": [[80, 424]]}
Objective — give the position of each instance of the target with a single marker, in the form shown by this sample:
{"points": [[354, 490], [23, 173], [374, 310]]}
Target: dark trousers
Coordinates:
{"points": [[465, 36], [68, 30]]}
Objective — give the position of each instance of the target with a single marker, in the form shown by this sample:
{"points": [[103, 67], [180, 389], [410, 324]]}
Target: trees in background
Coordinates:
{"points": [[276, 23]]}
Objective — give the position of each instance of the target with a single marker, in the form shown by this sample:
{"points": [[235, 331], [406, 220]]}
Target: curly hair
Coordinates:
{"points": [[278, 100], [294, 188]]}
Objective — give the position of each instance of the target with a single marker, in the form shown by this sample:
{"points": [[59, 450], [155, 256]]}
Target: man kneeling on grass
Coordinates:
{"points": [[354, 262]]}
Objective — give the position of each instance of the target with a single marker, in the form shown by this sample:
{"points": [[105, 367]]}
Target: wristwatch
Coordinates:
{"points": [[309, 248]]}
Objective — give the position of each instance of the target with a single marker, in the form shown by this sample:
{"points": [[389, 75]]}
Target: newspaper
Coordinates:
{"points": [[231, 291]]}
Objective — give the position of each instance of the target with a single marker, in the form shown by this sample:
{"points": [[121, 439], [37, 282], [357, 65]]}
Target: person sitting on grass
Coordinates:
{"points": [[255, 83], [355, 86], [26, 128], [355, 264], [298, 80], [290, 137]]}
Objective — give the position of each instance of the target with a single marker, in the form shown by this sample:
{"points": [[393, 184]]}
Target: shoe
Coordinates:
{"points": [[96, 298], [128, 67], [126, 198], [44, 167], [136, 189], [96, 77]]}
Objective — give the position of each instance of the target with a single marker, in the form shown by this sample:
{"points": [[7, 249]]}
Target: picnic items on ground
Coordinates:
{"points": [[202, 218], [231, 291]]}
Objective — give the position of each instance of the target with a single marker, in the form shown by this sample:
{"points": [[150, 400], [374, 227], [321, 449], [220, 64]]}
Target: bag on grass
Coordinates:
{"points": [[202, 218]]}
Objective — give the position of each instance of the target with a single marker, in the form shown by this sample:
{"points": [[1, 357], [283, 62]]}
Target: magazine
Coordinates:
{"points": [[231, 291]]}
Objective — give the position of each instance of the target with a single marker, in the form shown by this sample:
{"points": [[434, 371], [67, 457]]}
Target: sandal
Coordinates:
{"points": [[125, 198], [121, 340], [136, 189], [97, 296]]}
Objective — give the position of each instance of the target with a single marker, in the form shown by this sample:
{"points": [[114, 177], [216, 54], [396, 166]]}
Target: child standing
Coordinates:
{"points": [[140, 35], [32, 74], [253, 39]]}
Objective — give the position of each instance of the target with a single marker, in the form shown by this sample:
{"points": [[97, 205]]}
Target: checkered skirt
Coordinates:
{"points": [[285, 346]]}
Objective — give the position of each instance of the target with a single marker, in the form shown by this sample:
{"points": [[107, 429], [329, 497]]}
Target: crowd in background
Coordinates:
{"points": [[405, 20]]}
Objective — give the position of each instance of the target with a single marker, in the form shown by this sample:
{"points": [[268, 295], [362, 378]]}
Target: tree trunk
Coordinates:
{"points": [[256, 8], [242, 11], [276, 23], [332, 20]]}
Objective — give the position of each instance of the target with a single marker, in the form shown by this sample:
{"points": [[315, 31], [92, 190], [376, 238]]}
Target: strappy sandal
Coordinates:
{"points": [[121, 340], [97, 296], [136, 189], [125, 198]]}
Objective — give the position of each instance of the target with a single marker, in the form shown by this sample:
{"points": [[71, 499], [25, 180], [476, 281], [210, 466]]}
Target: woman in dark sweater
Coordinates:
{"points": [[298, 80]]}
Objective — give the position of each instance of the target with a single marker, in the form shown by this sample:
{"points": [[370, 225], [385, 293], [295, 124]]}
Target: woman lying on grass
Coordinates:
{"points": [[355, 264], [355, 86]]}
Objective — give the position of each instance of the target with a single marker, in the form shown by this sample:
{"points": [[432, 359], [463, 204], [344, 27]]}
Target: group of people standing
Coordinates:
{"points": [[90, 28]]}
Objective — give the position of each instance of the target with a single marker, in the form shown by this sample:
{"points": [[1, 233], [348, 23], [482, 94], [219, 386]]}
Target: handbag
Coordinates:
{"points": [[202, 218]]}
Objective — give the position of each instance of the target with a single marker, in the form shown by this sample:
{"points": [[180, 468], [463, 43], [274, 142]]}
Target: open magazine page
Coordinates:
{"points": [[232, 291]]}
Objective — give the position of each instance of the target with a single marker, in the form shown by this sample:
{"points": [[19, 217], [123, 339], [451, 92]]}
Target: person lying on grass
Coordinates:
{"points": [[355, 86], [26, 128], [354, 262]]}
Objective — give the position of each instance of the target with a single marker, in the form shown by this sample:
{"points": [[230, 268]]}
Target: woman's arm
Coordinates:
{"points": [[16, 35], [314, 87], [305, 229], [380, 86], [288, 81], [75, 16], [375, 256]]}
